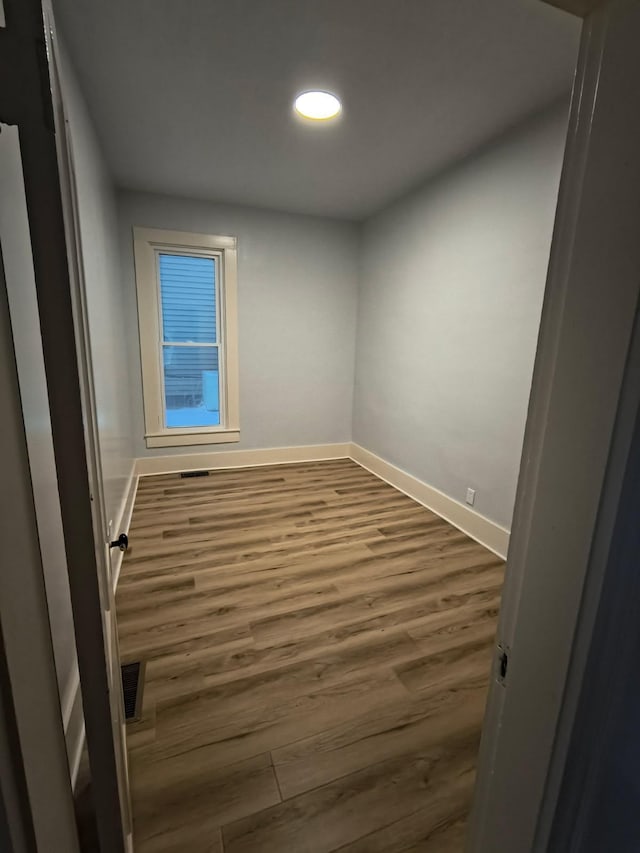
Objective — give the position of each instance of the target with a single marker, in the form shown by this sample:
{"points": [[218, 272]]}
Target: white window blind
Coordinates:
{"points": [[190, 340]]}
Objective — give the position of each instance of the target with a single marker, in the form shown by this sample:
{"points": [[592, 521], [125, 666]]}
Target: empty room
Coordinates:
{"points": [[312, 242]]}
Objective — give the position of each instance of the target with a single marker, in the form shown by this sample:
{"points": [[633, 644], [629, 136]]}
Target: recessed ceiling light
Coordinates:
{"points": [[318, 105]]}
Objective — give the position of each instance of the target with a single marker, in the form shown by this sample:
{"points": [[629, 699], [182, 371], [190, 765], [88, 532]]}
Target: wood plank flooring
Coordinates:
{"points": [[318, 649]]}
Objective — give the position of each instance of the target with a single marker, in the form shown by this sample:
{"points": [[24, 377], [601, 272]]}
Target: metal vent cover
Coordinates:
{"points": [[132, 685]]}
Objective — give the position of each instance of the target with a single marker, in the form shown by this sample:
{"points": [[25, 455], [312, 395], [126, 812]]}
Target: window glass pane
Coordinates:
{"points": [[188, 294], [191, 386]]}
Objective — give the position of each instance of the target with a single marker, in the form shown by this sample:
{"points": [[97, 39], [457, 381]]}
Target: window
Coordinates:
{"points": [[188, 338]]}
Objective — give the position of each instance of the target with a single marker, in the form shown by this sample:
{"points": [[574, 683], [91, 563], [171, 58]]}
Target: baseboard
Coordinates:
{"points": [[483, 530], [123, 522], [73, 720], [150, 465]]}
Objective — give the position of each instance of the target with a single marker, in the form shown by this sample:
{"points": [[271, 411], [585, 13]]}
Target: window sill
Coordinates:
{"points": [[183, 439]]}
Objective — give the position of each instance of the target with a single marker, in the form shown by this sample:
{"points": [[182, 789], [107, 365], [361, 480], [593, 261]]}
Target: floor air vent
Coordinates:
{"points": [[132, 684], [186, 474]]}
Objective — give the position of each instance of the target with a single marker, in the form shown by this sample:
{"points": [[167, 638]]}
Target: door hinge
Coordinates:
{"points": [[503, 664]]}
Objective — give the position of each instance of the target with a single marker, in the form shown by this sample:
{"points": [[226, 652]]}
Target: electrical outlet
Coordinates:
{"points": [[471, 496]]}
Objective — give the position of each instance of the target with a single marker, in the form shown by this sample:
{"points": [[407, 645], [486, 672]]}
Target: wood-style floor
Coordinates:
{"points": [[318, 650]]}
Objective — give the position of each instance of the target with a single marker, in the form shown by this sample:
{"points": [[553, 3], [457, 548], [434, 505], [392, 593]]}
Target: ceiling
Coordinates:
{"points": [[195, 98]]}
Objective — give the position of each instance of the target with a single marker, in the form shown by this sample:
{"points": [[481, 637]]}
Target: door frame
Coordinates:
{"points": [[35, 783], [570, 474], [17, 832], [28, 100], [101, 525], [605, 655]]}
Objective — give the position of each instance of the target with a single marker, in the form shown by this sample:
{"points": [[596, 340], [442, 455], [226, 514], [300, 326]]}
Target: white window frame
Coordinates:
{"points": [[148, 244]]}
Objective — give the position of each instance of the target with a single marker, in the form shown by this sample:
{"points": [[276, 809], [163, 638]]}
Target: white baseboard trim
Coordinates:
{"points": [[123, 522], [210, 460], [486, 532], [483, 530], [73, 720]]}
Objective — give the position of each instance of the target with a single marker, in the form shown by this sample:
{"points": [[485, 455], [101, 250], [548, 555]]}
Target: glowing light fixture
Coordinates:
{"points": [[319, 106]]}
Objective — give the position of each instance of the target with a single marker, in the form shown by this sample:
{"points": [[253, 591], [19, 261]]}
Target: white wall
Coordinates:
{"points": [[297, 289], [451, 280], [105, 297], [451, 288]]}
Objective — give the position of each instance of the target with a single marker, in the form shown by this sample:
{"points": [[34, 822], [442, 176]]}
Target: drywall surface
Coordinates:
{"points": [[451, 287], [297, 291], [105, 297]]}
